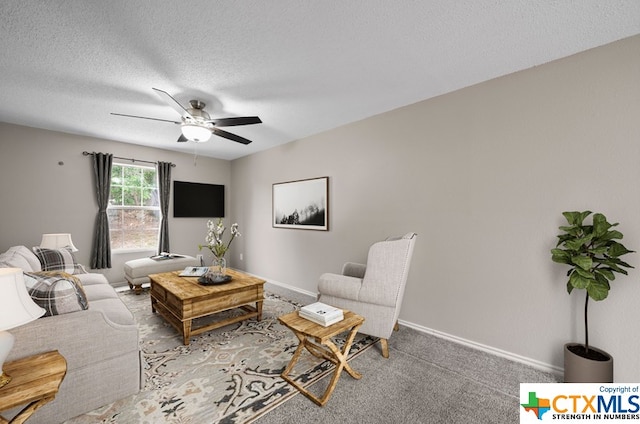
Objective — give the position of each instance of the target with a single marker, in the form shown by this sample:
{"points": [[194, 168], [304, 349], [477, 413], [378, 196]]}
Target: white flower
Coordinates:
{"points": [[215, 231]]}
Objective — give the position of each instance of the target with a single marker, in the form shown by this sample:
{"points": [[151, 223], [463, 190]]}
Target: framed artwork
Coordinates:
{"points": [[301, 204]]}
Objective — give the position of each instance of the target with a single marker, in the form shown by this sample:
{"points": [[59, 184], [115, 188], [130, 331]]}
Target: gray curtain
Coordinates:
{"points": [[101, 252], [164, 189]]}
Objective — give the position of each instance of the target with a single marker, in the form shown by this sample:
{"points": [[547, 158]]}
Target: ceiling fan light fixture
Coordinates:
{"points": [[196, 125], [196, 133]]}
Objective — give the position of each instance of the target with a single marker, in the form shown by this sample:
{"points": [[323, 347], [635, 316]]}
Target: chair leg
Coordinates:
{"points": [[384, 344], [385, 347]]}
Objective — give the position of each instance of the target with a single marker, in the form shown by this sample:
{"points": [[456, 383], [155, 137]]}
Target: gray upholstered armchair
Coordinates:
{"points": [[374, 290]]}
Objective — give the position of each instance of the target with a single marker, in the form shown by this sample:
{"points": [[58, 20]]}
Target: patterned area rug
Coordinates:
{"points": [[228, 375]]}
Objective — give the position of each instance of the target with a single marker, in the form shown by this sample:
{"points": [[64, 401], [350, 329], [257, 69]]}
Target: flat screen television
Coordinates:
{"points": [[198, 200]]}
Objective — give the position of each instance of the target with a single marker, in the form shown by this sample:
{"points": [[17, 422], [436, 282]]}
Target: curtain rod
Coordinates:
{"points": [[85, 153]]}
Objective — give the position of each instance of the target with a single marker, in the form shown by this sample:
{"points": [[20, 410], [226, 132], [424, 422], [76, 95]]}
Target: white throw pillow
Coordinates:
{"points": [[21, 257]]}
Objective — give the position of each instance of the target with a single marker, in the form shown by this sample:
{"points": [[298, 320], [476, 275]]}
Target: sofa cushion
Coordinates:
{"points": [[58, 260], [99, 291], [92, 278], [114, 310], [20, 257], [57, 292]]}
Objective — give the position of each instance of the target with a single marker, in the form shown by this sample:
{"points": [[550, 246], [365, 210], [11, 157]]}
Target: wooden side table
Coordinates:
{"points": [[309, 332], [35, 381]]}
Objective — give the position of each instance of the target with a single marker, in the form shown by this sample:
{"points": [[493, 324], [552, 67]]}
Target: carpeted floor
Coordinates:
{"points": [[426, 379], [231, 375]]}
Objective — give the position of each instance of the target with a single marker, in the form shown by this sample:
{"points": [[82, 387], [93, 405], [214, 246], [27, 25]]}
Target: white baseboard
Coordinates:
{"points": [[285, 286], [489, 349], [291, 288]]}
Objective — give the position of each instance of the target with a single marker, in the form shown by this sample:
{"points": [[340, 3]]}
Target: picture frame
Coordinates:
{"points": [[301, 204]]}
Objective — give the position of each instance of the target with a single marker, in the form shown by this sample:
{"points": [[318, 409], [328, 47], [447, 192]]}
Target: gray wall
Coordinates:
{"points": [[39, 196], [482, 175]]}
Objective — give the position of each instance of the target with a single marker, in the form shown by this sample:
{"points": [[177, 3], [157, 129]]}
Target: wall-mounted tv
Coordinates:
{"points": [[197, 200]]}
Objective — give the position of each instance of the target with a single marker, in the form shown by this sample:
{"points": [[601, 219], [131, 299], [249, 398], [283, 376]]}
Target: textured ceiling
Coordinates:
{"points": [[303, 67]]}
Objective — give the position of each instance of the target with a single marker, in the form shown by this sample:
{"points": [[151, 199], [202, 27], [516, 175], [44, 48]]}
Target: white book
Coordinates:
{"points": [[323, 318], [194, 271], [319, 321], [322, 311]]}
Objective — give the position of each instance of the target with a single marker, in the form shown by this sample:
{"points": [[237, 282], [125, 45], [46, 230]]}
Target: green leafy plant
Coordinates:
{"points": [[593, 255]]}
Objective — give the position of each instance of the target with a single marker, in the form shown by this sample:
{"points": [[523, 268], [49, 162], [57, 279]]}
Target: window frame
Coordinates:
{"points": [[121, 207]]}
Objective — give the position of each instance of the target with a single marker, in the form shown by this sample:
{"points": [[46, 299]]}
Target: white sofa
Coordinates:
{"points": [[100, 345]]}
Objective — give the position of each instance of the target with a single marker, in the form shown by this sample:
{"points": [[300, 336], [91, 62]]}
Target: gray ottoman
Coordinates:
{"points": [[137, 271]]}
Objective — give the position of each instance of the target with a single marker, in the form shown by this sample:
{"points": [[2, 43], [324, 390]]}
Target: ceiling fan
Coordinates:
{"points": [[196, 124]]}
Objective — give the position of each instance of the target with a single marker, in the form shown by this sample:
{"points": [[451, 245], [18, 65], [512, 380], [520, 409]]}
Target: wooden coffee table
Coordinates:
{"points": [[180, 300]]}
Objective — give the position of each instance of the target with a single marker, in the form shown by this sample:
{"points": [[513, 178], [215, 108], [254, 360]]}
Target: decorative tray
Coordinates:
{"points": [[213, 281]]}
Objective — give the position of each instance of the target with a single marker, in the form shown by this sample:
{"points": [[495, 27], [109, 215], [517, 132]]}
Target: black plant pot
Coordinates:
{"points": [[580, 369]]}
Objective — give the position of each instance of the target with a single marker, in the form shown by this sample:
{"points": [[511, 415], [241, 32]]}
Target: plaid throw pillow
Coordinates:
{"points": [[57, 292], [58, 260]]}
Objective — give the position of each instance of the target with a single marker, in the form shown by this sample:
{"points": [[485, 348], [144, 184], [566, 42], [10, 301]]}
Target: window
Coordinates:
{"points": [[134, 207]]}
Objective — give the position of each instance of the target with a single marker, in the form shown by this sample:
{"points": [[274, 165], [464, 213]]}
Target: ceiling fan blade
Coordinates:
{"points": [[230, 136], [231, 122], [172, 102], [144, 117]]}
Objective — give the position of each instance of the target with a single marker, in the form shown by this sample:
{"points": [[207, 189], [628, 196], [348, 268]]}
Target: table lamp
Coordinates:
{"points": [[56, 241], [16, 309]]}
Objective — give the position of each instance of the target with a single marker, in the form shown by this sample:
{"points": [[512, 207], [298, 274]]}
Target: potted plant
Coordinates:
{"points": [[593, 256]]}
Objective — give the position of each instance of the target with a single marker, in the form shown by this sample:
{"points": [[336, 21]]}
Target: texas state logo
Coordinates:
{"points": [[573, 403]]}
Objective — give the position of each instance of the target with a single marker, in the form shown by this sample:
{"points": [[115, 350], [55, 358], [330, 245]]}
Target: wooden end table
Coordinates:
{"points": [[180, 300], [35, 381], [309, 332]]}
